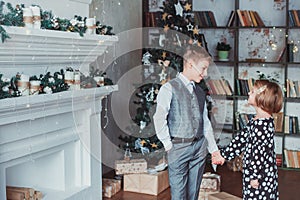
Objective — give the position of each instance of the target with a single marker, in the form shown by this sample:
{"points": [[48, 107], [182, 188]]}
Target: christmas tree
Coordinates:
{"points": [[159, 66]]}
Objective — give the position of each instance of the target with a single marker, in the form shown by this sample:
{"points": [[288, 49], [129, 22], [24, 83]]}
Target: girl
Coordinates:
{"points": [[257, 142]]}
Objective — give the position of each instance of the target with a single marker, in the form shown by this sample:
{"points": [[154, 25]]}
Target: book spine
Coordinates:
{"points": [[297, 22], [290, 53], [253, 18], [291, 19], [240, 17]]}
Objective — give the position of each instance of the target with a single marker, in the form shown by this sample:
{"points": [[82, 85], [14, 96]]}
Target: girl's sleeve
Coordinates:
{"points": [[236, 146], [260, 153]]}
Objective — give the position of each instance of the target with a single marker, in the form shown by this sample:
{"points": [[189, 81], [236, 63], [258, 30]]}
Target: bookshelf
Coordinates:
{"points": [[258, 47]]}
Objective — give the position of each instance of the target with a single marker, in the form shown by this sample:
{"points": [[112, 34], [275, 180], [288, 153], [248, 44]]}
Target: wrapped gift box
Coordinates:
{"points": [[203, 195], [223, 195], [130, 166], [152, 184], [110, 187], [211, 182]]}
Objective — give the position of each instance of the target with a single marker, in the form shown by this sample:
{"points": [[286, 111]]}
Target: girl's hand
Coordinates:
{"points": [[254, 183]]}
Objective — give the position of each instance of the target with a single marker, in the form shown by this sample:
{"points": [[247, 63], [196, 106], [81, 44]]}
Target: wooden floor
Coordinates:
{"points": [[231, 182]]}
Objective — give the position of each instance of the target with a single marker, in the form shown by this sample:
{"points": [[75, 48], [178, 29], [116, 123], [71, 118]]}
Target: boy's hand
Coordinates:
{"points": [[217, 159]]}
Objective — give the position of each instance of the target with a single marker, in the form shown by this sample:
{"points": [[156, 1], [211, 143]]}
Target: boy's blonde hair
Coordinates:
{"points": [[269, 96], [196, 54]]}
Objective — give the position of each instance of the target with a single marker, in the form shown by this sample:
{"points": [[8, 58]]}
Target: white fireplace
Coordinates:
{"points": [[52, 142]]}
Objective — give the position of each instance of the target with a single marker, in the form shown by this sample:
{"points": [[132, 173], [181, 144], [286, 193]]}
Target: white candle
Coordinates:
{"points": [[90, 23], [27, 17], [34, 87], [23, 85], [69, 79], [36, 12]]}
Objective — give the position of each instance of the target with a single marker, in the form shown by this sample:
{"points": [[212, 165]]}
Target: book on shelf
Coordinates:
{"points": [[244, 87], [292, 90], [292, 158], [231, 19], [205, 19], [290, 52], [291, 124], [219, 87], [291, 18], [249, 18], [241, 20], [296, 17], [253, 18], [242, 119], [278, 121]]}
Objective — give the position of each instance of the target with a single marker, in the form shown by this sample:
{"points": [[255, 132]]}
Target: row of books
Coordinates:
{"points": [[291, 124], [219, 87], [247, 18], [294, 17], [242, 119], [292, 88], [292, 158], [244, 86], [205, 19]]}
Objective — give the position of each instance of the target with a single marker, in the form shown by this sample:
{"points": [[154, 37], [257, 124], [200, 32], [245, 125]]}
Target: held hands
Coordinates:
{"points": [[217, 159]]}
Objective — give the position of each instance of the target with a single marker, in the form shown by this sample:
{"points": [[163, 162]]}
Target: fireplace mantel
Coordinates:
{"points": [[52, 142]]}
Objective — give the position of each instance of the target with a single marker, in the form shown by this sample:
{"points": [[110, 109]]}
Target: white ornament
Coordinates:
{"points": [[162, 75], [179, 9], [142, 125], [150, 95], [190, 27], [146, 58]]}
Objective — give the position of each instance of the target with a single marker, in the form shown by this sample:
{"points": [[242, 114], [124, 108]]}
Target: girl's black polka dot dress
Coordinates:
{"points": [[259, 160]]}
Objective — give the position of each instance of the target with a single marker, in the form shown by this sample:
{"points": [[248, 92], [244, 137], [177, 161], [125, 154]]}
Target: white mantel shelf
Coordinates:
{"points": [[41, 46]]}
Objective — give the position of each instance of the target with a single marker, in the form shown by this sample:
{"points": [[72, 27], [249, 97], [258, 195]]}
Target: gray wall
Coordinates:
{"points": [[122, 15]]}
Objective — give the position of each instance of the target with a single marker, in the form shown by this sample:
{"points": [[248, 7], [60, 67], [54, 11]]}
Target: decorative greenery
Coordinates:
{"points": [[50, 83], [14, 17], [222, 46]]}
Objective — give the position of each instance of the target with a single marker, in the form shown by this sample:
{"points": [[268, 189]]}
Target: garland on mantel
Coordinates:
{"points": [[14, 17], [51, 83]]}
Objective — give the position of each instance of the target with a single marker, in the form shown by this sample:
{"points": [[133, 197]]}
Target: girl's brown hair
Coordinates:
{"points": [[270, 97]]}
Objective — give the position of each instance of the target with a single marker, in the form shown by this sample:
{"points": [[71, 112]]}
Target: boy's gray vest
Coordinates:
{"points": [[185, 119]]}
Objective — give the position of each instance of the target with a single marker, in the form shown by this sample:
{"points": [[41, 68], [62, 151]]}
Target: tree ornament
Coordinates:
{"points": [[162, 75], [188, 7], [146, 58], [190, 26], [164, 16], [166, 28], [179, 9], [195, 30], [150, 95], [154, 145], [164, 54], [127, 154]]}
